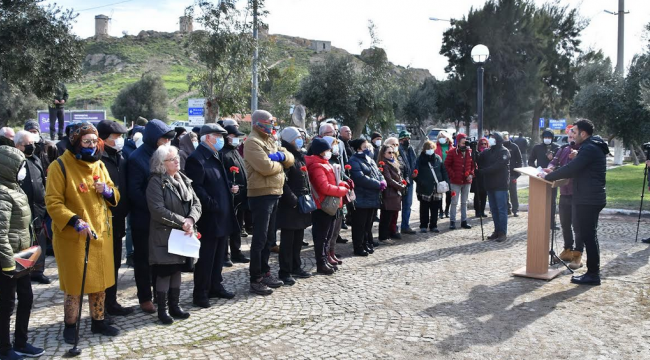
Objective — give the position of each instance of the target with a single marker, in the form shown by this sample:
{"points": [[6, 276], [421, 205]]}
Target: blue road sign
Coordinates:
{"points": [[541, 123]]}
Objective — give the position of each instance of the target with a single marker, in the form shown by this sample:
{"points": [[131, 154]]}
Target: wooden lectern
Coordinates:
{"points": [[539, 220]]}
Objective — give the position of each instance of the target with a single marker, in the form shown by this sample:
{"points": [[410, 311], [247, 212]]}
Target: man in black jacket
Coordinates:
{"points": [[34, 187], [212, 187], [540, 156], [56, 109], [588, 171], [494, 167], [515, 162], [231, 157], [523, 145], [111, 132]]}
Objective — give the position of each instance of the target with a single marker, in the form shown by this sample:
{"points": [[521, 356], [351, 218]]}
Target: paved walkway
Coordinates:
{"points": [[448, 296]]}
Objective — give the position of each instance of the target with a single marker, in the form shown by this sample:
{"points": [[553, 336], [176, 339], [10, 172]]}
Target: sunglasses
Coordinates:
{"points": [[390, 152]]}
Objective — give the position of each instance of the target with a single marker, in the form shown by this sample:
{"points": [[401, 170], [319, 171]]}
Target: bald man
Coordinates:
{"points": [[345, 136]]}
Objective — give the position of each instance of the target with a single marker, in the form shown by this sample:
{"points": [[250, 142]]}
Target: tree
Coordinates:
{"points": [[17, 106], [225, 51], [147, 98], [37, 48], [279, 89]]}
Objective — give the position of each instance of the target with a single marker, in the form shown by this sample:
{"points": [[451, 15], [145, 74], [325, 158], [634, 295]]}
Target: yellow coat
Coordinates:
{"points": [[66, 197]]}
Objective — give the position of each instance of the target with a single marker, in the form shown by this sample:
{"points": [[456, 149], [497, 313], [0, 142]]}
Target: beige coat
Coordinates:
{"points": [[265, 177]]}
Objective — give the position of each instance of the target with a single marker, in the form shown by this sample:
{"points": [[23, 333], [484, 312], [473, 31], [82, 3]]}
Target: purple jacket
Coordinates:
{"points": [[562, 158]]}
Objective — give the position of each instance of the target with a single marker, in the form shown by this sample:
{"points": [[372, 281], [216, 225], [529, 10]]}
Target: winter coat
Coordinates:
{"points": [[73, 196], [522, 143], [137, 168], [323, 180], [265, 177], [34, 187], [426, 184], [14, 210], [459, 166], [515, 158], [129, 144], [392, 195], [211, 184], [168, 211], [46, 151], [295, 185], [494, 166], [588, 170], [562, 158], [441, 150], [116, 166], [366, 177], [62, 145], [185, 149], [60, 93], [538, 157], [231, 157], [408, 158]]}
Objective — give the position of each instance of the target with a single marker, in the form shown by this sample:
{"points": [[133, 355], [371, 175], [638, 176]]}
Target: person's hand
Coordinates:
{"points": [[541, 175], [350, 183], [469, 178], [83, 228], [234, 189], [188, 225], [549, 156], [99, 187], [573, 154], [62, 102], [56, 101], [647, 163], [382, 185], [547, 170], [344, 184]]}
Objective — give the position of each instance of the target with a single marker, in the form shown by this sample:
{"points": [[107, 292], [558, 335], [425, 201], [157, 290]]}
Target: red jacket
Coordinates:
{"points": [[323, 180], [459, 166]]}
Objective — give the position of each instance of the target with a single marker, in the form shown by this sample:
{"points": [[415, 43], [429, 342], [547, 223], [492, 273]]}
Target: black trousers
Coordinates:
{"points": [[41, 240], [10, 288], [513, 200], [207, 271], [361, 224], [235, 237], [290, 246], [144, 275], [585, 221], [447, 202], [480, 200], [264, 210], [429, 213], [119, 230], [321, 232], [56, 114], [384, 223], [566, 222]]}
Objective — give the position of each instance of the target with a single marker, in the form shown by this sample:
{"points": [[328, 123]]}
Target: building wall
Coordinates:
{"points": [[101, 26], [320, 46]]}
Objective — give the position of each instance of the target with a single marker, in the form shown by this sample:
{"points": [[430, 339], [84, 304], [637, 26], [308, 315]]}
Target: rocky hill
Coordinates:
{"points": [[113, 63]]}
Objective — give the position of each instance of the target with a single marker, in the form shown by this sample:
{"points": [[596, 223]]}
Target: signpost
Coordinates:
{"points": [[195, 108], [541, 123]]}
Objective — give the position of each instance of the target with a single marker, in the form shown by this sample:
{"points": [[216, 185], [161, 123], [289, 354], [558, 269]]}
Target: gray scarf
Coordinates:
{"points": [[181, 187]]}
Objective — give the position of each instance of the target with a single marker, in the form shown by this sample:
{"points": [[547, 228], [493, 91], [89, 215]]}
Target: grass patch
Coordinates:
{"points": [[623, 188]]}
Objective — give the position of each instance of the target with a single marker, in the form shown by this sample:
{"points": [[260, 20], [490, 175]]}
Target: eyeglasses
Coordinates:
{"points": [[89, 141], [174, 159], [390, 152]]}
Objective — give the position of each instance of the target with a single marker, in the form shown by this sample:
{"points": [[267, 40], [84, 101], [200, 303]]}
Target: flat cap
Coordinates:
{"points": [[232, 129], [212, 129], [107, 127]]}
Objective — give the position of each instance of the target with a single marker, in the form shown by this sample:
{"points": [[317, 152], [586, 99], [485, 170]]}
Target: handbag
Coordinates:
{"points": [[442, 186], [306, 204], [330, 205], [26, 260]]}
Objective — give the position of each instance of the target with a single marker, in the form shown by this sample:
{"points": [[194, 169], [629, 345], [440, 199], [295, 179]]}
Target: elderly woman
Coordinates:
{"points": [[78, 197], [392, 194], [430, 167], [173, 205], [480, 195], [368, 185], [443, 144], [338, 148], [403, 168]]}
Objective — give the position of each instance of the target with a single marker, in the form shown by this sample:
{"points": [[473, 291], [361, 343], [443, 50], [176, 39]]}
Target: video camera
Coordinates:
{"points": [[472, 142], [646, 148]]}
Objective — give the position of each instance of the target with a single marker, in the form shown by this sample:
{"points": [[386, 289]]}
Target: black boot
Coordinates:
{"points": [[465, 225], [164, 317], [69, 332], [175, 309], [102, 327]]}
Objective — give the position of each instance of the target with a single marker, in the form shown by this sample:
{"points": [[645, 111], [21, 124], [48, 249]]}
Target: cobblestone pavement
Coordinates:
{"points": [[448, 296]]}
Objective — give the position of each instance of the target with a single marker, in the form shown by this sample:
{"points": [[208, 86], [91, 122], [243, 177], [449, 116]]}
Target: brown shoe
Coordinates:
{"points": [[148, 307], [275, 249], [501, 237], [566, 255], [576, 260], [493, 236]]}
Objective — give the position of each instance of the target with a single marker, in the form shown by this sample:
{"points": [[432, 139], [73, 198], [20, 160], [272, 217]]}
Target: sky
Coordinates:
{"points": [[407, 34]]}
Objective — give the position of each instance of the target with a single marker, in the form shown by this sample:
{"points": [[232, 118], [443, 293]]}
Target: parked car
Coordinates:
{"points": [[561, 139]]}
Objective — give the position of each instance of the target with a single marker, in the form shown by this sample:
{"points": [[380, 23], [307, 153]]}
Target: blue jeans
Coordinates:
{"points": [[407, 201], [499, 208]]}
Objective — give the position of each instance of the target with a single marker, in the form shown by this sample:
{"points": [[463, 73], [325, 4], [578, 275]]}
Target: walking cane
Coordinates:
{"points": [[645, 176], [75, 351]]}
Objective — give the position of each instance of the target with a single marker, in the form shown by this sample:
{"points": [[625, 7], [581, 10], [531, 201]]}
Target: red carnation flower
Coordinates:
{"points": [[466, 173], [234, 169], [453, 193], [381, 163], [303, 168], [95, 178], [348, 167], [404, 182], [198, 235], [415, 172], [381, 169]]}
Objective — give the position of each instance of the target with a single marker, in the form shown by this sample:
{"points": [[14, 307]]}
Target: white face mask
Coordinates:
{"points": [[429, 152], [335, 149], [234, 142], [442, 140], [492, 142], [195, 143], [378, 143], [119, 144], [328, 155], [547, 141], [138, 143], [22, 173]]}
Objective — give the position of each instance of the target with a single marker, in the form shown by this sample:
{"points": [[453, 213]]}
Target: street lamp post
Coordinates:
{"points": [[480, 55]]}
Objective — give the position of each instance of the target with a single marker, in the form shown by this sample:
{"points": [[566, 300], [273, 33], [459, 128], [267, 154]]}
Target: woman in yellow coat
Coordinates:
{"points": [[78, 197]]}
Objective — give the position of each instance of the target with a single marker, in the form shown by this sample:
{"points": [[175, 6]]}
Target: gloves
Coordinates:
{"points": [[108, 192], [344, 184], [382, 185], [278, 156], [350, 183]]}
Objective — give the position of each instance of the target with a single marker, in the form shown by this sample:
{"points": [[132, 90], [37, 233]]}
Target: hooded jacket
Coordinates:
{"points": [[538, 154], [138, 172], [129, 144], [459, 164], [588, 170], [494, 166], [14, 208]]}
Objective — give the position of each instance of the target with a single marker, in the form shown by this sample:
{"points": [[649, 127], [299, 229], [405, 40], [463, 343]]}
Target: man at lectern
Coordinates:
{"points": [[588, 173]]}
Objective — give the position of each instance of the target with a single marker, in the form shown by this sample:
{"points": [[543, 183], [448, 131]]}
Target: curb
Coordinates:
{"points": [[606, 211]]}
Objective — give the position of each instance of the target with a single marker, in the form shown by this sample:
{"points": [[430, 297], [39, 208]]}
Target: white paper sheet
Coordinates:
{"points": [[181, 244]]}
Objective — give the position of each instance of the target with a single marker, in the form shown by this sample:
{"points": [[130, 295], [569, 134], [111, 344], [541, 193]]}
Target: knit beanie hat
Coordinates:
{"points": [[80, 130], [459, 137], [290, 134], [31, 125], [356, 143], [319, 145], [375, 135]]}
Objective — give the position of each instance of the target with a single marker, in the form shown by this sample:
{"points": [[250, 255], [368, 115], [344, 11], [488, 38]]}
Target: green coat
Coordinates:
{"points": [[14, 208]]}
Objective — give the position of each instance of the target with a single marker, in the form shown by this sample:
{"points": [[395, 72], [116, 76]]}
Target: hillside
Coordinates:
{"points": [[113, 63]]}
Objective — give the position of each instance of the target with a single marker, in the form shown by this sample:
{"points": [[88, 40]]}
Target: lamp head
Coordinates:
{"points": [[480, 54]]}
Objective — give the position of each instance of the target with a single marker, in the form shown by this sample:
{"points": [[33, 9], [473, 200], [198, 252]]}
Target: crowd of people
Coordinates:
{"points": [[217, 184]]}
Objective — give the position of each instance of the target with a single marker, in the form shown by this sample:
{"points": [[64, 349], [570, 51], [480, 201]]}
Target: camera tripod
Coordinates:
{"points": [[554, 258], [645, 176]]}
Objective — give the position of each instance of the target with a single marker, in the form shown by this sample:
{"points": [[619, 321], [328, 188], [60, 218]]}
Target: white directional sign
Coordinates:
{"points": [[195, 111]]}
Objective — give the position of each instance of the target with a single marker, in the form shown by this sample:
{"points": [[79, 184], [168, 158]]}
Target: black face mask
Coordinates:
{"points": [[29, 150], [462, 148], [406, 142]]}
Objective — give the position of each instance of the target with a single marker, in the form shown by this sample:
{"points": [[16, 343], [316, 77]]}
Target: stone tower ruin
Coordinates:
{"points": [[186, 24], [101, 26]]}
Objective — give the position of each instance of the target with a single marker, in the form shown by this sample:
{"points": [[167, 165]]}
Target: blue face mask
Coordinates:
{"points": [[367, 152], [88, 151], [299, 143], [219, 144]]}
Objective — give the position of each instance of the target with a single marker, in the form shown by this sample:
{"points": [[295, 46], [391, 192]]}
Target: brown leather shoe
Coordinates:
{"points": [[566, 255], [576, 260], [275, 249], [148, 307]]}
